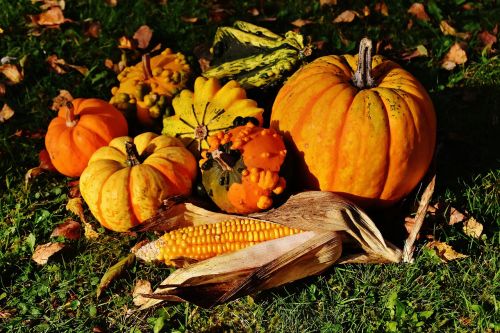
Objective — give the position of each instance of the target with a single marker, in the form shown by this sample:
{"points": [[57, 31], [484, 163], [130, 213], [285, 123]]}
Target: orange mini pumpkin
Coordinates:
{"points": [[356, 125], [80, 128], [240, 170], [126, 182]]}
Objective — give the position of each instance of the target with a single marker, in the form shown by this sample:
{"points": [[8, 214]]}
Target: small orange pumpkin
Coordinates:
{"points": [[366, 132], [80, 128], [240, 170], [126, 182]]}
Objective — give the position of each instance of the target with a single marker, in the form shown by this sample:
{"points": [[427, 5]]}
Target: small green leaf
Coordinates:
{"points": [[114, 272], [391, 326], [31, 241], [425, 314], [159, 324]]}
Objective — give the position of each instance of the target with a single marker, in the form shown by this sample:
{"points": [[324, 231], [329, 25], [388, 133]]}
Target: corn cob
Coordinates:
{"points": [[208, 240]]}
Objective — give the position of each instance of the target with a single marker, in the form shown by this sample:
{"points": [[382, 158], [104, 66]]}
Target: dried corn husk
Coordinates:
{"points": [[327, 219]]}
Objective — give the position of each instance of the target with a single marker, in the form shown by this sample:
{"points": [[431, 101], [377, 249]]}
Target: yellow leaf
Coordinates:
{"points": [[6, 113], [12, 73], [473, 228], [444, 251], [75, 205], [89, 232]]}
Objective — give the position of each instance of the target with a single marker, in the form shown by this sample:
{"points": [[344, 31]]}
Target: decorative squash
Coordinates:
{"points": [[146, 89], [254, 56], [126, 182], [240, 170], [208, 110], [356, 125], [80, 128]]}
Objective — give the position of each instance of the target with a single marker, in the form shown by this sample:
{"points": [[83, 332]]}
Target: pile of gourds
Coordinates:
{"points": [[357, 125]]}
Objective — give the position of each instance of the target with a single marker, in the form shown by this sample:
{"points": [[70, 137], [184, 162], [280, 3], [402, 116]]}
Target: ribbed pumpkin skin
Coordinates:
{"points": [[97, 123], [374, 144], [121, 196]]}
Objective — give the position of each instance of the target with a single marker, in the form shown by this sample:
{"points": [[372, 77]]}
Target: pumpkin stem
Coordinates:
{"points": [[70, 115], [132, 154], [217, 156], [362, 77], [146, 66]]}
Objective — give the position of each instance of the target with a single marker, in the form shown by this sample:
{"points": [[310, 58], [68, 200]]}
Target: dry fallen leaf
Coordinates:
{"points": [[44, 252], [447, 29], [60, 65], [487, 38], [366, 11], [141, 287], [381, 7], [420, 51], [2, 89], [418, 10], [187, 19], [455, 56], [444, 251], [51, 3], [254, 11], [456, 216], [52, 17], [112, 3], [12, 72], [114, 272], [472, 228], [89, 232], [346, 16], [300, 22], [143, 36], [45, 162], [6, 113], [93, 29], [125, 43], [327, 2], [61, 100], [75, 205], [74, 189], [118, 67], [69, 229]]}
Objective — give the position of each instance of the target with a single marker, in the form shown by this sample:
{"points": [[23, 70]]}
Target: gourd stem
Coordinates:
{"points": [[363, 77], [217, 156], [146, 65], [70, 115], [132, 154]]}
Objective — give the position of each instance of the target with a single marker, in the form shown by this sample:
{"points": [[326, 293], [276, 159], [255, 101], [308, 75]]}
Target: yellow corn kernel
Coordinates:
{"points": [[205, 241]]}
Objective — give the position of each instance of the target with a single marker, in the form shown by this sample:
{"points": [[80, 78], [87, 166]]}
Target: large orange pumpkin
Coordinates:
{"points": [[126, 182], [356, 125], [80, 128]]}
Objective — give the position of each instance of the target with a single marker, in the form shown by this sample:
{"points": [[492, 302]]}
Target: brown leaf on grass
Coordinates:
{"points": [[70, 229], [12, 72], [447, 29], [253, 11], [74, 189], [2, 90], [5, 314], [455, 56], [418, 10], [118, 67], [456, 216], [75, 205], [51, 3], [44, 252], [189, 19], [61, 100], [327, 2], [60, 66], [143, 36], [114, 272], [444, 251], [32, 174], [487, 38], [141, 287], [381, 7], [52, 17], [366, 11], [112, 3], [472, 228], [301, 22], [93, 29], [420, 51], [6, 113], [346, 16]]}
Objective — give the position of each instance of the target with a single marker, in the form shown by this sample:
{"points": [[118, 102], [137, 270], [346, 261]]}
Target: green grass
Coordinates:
{"points": [[426, 296]]}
